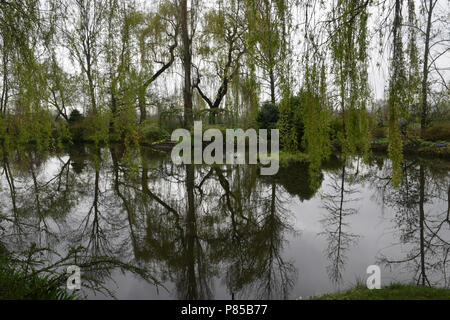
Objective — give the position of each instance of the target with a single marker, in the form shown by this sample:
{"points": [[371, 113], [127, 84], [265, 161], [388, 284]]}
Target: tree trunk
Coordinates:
{"points": [[142, 105], [272, 87], [424, 120], [187, 64]]}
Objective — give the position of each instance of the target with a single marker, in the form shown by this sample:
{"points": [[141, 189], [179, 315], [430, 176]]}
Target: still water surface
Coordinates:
{"points": [[225, 232]]}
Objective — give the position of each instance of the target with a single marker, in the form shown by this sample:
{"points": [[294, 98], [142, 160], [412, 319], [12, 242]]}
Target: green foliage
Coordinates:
{"points": [[171, 119], [336, 128], [349, 50], [268, 116], [17, 285], [379, 133], [96, 128], [392, 292], [29, 128], [290, 123], [438, 131], [76, 126], [62, 133], [75, 117], [149, 131], [244, 47]]}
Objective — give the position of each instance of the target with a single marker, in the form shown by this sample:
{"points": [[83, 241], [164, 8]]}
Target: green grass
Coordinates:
{"points": [[288, 157], [14, 285], [392, 292]]}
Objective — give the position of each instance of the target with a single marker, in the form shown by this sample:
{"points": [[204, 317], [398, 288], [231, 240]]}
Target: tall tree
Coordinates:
{"points": [[348, 22], [186, 22], [157, 35], [397, 92], [221, 48], [426, 64], [84, 25], [268, 30]]}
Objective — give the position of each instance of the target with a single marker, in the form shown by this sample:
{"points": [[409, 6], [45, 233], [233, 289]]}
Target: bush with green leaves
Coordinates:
{"points": [[268, 116], [438, 132], [76, 125], [150, 131], [290, 123]]}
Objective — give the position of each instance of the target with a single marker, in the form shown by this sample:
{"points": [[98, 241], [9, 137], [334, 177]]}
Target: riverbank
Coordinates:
{"points": [[420, 148], [417, 147], [392, 292]]}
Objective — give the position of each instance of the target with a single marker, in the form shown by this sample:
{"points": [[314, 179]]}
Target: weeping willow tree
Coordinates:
{"points": [[84, 24], [265, 39], [290, 123], [316, 111], [412, 52], [221, 47], [270, 61], [397, 94], [349, 52], [122, 93], [25, 115], [249, 84], [156, 36], [269, 54]]}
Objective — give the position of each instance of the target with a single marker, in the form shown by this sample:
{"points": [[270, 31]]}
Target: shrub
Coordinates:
{"points": [[379, 133], [268, 116], [75, 116], [439, 131], [61, 132], [336, 127], [292, 128], [150, 131], [76, 126], [15, 285]]}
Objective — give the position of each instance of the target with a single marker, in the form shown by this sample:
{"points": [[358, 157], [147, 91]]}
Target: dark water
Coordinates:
{"points": [[223, 232]]}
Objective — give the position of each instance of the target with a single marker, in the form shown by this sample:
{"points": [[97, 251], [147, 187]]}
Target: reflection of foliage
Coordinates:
{"points": [[184, 224], [424, 232], [336, 202], [191, 239], [297, 180], [257, 240], [32, 267], [36, 217]]}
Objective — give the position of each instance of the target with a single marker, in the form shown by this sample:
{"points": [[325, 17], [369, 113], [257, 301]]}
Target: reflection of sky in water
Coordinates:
{"points": [[372, 222], [307, 251]]}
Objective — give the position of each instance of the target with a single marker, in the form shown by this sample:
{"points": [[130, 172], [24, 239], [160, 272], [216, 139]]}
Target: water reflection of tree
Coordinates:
{"points": [[257, 237], [163, 224], [189, 225], [38, 201], [39, 234], [218, 221], [340, 194], [421, 205]]}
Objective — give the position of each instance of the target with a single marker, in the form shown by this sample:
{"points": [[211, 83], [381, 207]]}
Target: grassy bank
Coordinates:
{"points": [[392, 292], [440, 149]]}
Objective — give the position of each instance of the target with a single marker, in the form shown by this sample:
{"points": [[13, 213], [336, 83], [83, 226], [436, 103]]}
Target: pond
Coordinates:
{"points": [[141, 227]]}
